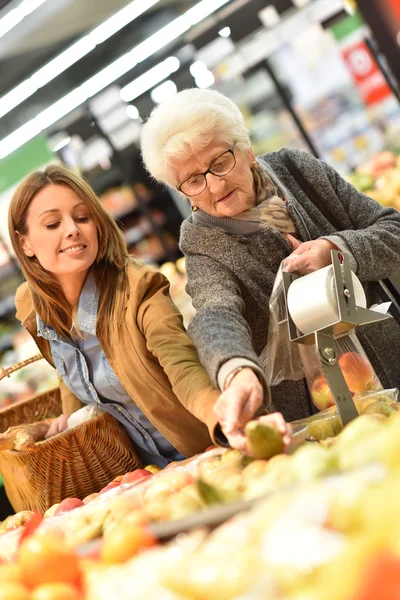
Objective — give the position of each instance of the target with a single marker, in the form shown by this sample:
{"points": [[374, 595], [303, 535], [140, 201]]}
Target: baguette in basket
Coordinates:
{"points": [[24, 437]]}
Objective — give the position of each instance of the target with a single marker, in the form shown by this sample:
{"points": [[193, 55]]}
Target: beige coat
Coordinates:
{"points": [[154, 359]]}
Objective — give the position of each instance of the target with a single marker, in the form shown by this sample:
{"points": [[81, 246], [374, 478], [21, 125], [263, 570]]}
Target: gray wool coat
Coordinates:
{"points": [[231, 272]]}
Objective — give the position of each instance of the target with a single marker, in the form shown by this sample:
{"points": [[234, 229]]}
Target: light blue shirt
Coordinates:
{"points": [[86, 371]]}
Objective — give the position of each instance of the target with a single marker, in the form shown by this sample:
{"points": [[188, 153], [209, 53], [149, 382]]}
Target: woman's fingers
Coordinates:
{"points": [[277, 421], [59, 425], [294, 242], [309, 257], [237, 440]]}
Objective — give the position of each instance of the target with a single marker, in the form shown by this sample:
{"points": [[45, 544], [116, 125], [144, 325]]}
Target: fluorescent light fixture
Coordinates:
{"points": [[71, 55], [165, 91], [61, 144], [204, 80], [150, 78], [17, 14], [197, 68], [225, 32], [132, 112], [108, 75]]}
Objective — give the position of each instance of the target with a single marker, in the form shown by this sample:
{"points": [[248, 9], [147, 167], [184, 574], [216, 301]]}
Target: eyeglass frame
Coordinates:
{"points": [[231, 150]]}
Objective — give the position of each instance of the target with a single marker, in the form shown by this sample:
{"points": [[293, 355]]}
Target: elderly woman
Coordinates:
{"points": [[250, 214]]}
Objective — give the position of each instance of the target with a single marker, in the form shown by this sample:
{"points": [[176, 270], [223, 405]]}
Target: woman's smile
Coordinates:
{"points": [[74, 250]]}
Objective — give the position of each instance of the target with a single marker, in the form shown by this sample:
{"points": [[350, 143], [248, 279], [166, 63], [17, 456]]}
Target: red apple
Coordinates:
{"points": [[20, 519], [321, 394], [117, 479], [110, 486], [136, 476], [358, 372], [67, 505]]}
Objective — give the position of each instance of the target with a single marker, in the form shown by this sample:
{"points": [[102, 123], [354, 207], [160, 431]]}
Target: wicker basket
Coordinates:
{"points": [[75, 463]]}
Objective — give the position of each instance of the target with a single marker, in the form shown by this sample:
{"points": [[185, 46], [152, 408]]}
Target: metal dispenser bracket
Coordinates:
{"points": [[350, 316]]}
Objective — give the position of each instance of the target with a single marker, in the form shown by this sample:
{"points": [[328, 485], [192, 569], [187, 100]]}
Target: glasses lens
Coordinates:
{"points": [[194, 185], [223, 164]]}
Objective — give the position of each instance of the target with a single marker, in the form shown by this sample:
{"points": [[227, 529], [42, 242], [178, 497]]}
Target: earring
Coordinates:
{"points": [[29, 253], [194, 208]]}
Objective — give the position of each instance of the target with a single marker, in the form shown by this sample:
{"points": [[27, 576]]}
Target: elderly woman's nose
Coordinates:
{"points": [[214, 182]]}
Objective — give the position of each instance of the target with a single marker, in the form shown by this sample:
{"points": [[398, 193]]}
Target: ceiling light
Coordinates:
{"points": [[163, 92], [225, 32], [132, 112], [204, 80], [72, 54], [62, 143], [107, 75], [197, 68], [150, 79], [15, 16]]}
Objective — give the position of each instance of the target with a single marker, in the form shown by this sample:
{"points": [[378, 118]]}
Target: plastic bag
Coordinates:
{"points": [[357, 371], [281, 358], [285, 360], [327, 423]]}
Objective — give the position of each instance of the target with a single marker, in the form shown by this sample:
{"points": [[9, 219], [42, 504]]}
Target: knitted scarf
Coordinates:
{"points": [[270, 206]]}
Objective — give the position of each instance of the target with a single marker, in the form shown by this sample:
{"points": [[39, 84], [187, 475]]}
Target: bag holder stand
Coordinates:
{"points": [[350, 316]]}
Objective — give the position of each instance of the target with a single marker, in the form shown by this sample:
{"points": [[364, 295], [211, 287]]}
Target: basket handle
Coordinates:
{"points": [[19, 365]]}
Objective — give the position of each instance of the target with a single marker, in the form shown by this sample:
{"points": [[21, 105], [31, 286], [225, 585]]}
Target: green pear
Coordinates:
{"points": [[380, 407], [263, 440]]}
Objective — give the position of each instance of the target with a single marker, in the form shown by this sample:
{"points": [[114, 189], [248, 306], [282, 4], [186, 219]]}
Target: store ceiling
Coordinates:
{"points": [[52, 28], [56, 24]]}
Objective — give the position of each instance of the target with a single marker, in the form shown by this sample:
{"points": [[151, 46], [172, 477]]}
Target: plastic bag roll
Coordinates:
{"points": [[312, 301]]}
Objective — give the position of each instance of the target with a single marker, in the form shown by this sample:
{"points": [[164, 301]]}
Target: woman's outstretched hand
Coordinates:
{"points": [[309, 256], [58, 425], [239, 403]]}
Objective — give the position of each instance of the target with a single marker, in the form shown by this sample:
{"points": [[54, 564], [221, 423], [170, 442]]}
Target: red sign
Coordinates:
{"points": [[365, 72]]}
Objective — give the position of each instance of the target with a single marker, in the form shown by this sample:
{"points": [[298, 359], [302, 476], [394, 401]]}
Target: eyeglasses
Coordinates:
{"points": [[220, 166]]}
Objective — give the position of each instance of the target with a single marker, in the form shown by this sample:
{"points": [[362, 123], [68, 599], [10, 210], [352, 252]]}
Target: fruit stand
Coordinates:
{"points": [[314, 522]]}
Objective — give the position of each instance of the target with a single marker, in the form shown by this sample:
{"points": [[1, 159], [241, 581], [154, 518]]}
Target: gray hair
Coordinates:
{"points": [[186, 124]]}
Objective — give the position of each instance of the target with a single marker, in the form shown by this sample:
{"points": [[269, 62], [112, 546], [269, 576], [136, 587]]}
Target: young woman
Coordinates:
{"points": [[107, 324]]}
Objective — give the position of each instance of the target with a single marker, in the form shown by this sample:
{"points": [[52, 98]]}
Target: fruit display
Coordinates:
{"points": [[316, 519], [379, 178]]}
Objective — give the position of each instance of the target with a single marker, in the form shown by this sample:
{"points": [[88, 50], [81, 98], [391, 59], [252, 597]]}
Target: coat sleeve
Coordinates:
{"points": [[161, 324], [219, 329], [374, 238]]}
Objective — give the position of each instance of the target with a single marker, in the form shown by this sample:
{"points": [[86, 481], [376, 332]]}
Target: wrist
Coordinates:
{"points": [[232, 374]]}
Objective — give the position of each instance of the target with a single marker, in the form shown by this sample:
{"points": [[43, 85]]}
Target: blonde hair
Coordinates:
{"points": [[110, 264], [185, 125]]}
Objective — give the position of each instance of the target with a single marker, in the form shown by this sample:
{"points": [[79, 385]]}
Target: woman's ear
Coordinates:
{"points": [[24, 244], [251, 155]]}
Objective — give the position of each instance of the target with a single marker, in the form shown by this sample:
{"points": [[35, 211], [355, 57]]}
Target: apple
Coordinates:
{"points": [[152, 468], [67, 505], [20, 519], [117, 479], [358, 372], [50, 512], [136, 476], [110, 486], [321, 394], [167, 483], [90, 497]]}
